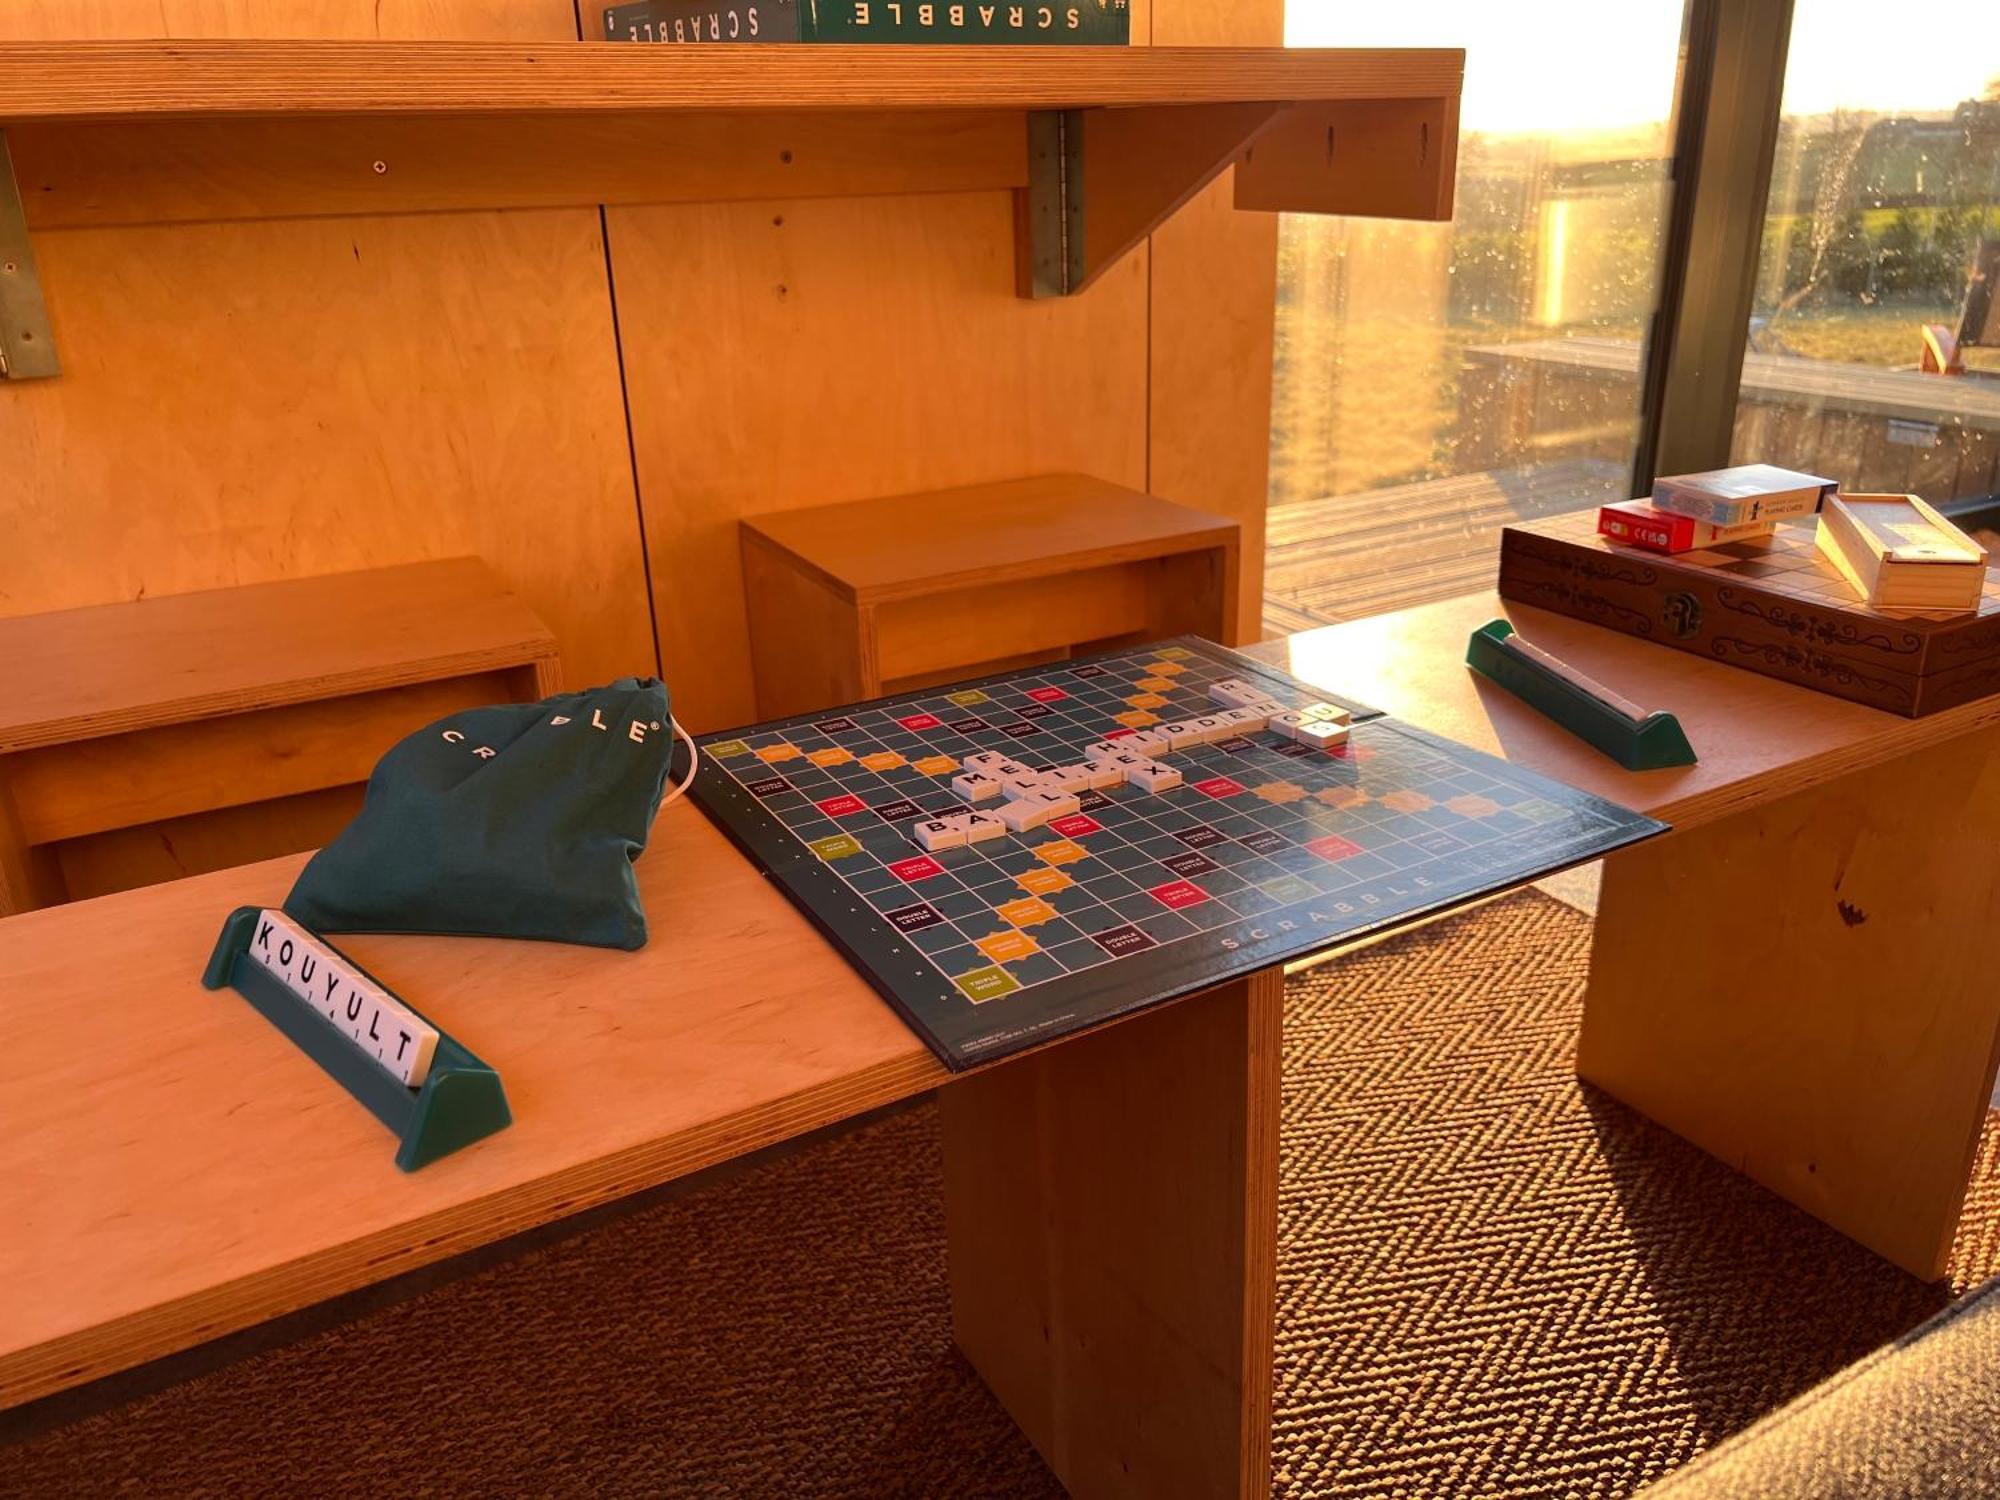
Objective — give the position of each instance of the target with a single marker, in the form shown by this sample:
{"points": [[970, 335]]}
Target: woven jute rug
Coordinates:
{"points": [[1492, 1282]]}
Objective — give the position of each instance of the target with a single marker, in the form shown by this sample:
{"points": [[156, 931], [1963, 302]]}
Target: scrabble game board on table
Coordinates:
{"points": [[1015, 858]]}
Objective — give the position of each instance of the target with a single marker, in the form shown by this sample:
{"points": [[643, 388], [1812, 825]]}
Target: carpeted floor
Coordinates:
{"points": [[1492, 1283]]}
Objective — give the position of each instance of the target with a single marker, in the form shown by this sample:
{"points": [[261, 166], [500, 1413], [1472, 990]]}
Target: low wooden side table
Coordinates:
{"points": [[888, 595], [1798, 979], [164, 737]]}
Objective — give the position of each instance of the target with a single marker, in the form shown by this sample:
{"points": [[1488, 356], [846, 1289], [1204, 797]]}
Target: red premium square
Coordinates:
{"points": [[918, 722], [1076, 825], [842, 806], [920, 868], [1179, 893], [1333, 847], [1218, 786], [1047, 694]]}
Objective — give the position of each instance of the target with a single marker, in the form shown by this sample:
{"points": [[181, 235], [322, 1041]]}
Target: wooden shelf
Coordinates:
{"points": [[1101, 144], [901, 592], [155, 737], [46, 81], [82, 674], [909, 546]]}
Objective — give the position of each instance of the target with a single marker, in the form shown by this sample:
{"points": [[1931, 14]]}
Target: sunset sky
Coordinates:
{"points": [[1542, 65]]}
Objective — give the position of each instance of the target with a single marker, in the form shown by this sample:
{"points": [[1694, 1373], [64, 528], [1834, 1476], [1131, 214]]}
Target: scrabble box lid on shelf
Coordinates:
{"points": [[1773, 606]]}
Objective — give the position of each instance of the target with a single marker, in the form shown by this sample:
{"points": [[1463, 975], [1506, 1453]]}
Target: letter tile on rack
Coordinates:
{"points": [[374, 1020]]}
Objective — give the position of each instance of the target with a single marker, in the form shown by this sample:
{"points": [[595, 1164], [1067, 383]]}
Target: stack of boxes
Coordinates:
{"points": [[1690, 511], [1031, 798]]}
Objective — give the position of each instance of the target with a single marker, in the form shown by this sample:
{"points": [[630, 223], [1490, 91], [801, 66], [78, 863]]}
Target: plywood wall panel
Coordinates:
{"points": [[1214, 288], [777, 355], [247, 402], [794, 354], [244, 402]]}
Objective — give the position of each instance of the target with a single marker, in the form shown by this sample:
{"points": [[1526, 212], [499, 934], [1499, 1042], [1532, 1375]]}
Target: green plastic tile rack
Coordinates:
{"points": [[461, 1099], [1649, 743]]}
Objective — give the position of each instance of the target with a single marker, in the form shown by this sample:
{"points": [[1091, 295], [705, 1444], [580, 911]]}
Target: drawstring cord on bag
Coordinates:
{"points": [[694, 759]]}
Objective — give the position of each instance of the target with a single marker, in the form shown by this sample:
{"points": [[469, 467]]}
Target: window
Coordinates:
{"points": [[1880, 253], [1434, 381]]}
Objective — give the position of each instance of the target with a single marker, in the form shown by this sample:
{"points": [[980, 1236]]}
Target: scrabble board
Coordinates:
{"points": [[1260, 847]]}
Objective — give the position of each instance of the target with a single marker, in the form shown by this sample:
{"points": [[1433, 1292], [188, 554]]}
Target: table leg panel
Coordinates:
{"points": [[1111, 1212], [1809, 991]]}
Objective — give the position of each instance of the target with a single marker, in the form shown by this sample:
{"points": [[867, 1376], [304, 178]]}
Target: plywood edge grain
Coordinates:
{"points": [[94, 174], [115, 668], [1081, 560], [899, 547], [98, 725], [110, 80], [1830, 765]]}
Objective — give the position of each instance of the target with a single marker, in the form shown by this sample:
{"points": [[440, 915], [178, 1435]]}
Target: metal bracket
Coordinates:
{"points": [[27, 345], [1055, 201]]}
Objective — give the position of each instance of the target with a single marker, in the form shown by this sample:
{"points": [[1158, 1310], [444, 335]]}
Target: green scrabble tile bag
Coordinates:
{"points": [[519, 820]]}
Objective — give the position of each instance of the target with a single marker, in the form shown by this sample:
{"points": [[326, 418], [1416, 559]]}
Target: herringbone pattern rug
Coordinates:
{"points": [[1492, 1283]]}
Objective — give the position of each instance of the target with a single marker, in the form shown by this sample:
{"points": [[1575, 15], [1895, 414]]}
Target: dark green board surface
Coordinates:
{"points": [[1263, 856]]}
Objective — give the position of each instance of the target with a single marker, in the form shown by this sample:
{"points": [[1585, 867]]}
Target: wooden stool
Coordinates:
{"points": [[144, 741], [882, 596]]}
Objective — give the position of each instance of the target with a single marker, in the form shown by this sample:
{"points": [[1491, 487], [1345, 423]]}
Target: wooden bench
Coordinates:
{"points": [[1113, 1240], [1110, 1200], [163, 737], [853, 601], [1799, 979]]}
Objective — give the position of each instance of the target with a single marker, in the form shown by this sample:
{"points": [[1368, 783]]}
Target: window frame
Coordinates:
{"points": [[1730, 96]]}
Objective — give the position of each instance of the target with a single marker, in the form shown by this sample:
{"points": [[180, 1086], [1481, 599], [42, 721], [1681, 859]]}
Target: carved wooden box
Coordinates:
{"points": [[1772, 605]]}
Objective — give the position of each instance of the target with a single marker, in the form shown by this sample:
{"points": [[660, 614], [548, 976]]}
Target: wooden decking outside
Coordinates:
{"points": [[1346, 556]]}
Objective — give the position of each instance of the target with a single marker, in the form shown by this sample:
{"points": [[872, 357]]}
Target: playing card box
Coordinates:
{"points": [[1639, 523]]}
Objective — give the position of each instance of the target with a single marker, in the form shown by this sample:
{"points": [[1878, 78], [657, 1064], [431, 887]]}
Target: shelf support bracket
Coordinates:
{"points": [[1050, 207], [1101, 180], [1382, 158], [27, 345]]}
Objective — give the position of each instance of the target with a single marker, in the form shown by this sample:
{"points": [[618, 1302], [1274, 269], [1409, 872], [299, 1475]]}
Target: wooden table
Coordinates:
{"points": [[171, 1169], [1792, 980], [1800, 978]]}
